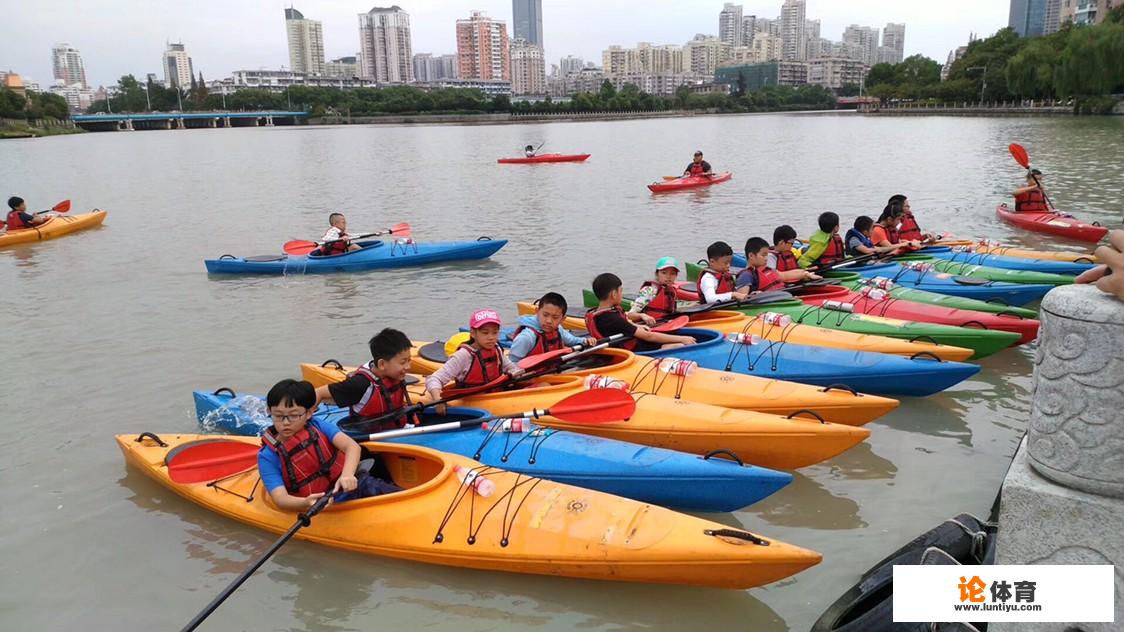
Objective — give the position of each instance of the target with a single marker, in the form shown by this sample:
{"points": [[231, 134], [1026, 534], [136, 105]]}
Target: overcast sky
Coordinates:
{"points": [[118, 37]]}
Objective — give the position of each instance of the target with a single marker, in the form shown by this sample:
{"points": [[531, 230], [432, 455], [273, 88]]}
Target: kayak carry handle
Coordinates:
{"points": [[483, 238], [226, 256], [840, 387], [225, 389], [998, 301], [1010, 313], [335, 364], [974, 324], [924, 338], [809, 412], [924, 354], [737, 534], [729, 453], [142, 436]]}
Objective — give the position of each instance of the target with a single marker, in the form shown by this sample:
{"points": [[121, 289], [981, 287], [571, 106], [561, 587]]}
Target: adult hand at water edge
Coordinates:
{"points": [[1109, 277]]}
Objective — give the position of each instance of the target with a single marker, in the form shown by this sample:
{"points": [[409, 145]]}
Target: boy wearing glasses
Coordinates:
{"points": [[780, 257]]}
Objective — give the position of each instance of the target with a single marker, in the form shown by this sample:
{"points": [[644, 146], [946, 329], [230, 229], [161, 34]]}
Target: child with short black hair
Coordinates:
{"points": [[336, 240], [825, 247], [378, 387], [716, 282], [543, 331], [759, 277], [609, 320]]}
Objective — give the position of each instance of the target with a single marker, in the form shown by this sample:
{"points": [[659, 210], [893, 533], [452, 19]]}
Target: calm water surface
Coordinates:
{"points": [[109, 331]]}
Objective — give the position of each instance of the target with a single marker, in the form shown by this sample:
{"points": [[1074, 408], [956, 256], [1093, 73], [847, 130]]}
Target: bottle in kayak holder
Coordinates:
{"points": [[988, 243], [479, 484], [874, 293], [678, 367], [838, 306], [778, 320], [743, 339], [604, 381], [510, 425], [881, 283], [402, 244], [918, 266], [963, 249]]}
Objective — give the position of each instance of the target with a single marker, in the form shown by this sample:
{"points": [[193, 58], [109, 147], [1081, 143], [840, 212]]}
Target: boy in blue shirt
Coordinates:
{"points": [[544, 332]]}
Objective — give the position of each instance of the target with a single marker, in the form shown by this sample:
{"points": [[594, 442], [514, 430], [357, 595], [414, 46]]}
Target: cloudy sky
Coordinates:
{"points": [[119, 37]]}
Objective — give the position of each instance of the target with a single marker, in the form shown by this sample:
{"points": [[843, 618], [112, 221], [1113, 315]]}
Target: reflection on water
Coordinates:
{"points": [[807, 503]]}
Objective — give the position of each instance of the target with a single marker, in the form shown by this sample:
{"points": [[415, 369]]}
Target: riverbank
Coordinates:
{"points": [[11, 128], [504, 118], [987, 109]]}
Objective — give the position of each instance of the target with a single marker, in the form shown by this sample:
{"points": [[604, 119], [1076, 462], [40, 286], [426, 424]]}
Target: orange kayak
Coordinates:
{"points": [[757, 438], [55, 227], [730, 322], [527, 525]]}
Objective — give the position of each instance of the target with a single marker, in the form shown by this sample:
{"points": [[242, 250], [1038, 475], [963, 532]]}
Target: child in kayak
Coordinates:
{"points": [[657, 297], [609, 320], [858, 239], [529, 150], [825, 247], [716, 283], [543, 331], [302, 458], [780, 256], [336, 238], [18, 217], [698, 166], [759, 277], [379, 386], [909, 228], [478, 362], [885, 232], [1032, 197]]}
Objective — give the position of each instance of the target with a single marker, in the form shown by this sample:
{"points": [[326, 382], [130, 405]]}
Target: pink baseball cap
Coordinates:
{"points": [[482, 317]]}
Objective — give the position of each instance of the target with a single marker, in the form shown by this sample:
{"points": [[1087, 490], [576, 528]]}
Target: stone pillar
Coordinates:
{"points": [[1063, 499]]}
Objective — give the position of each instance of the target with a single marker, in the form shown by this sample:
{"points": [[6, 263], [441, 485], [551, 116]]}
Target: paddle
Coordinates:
{"points": [[303, 520], [303, 247], [212, 460], [595, 406], [61, 207], [1018, 152], [530, 363], [450, 394]]}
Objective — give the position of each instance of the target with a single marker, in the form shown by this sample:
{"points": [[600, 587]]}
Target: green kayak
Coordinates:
{"points": [[960, 268], [983, 341], [853, 281]]}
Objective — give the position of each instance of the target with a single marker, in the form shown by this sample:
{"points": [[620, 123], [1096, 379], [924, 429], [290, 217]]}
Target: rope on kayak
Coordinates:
{"points": [[253, 490], [537, 436], [650, 369], [770, 347], [822, 314], [506, 526]]}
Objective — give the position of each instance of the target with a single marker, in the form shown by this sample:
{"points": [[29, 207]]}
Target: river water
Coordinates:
{"points": [[110, 330]]}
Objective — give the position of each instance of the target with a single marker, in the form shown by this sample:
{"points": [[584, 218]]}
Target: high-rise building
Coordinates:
{"points": [[429, 68], [178, 70], [730, 24], [820, 47], [570, 64], [792, 30], [864, 39], [893, 37], [68, 67], [385, 51], [306, 43], [646, 58], [342, 68], [767, 47], [1053, 17], [1086, 11], [1028, 17], [528, 68], [704, 53], [749, 28], [834, 73], [483, 51], [527, 21], [765, 25]]}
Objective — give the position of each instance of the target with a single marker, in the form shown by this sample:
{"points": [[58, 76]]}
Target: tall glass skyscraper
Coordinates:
{"points": [[1028, 17], [528, 20]]}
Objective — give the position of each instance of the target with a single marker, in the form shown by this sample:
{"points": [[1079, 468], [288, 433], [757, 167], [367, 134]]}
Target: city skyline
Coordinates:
{"points": [[116, 40]]}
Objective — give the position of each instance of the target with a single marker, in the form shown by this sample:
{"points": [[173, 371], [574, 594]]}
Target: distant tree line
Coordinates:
{"points": [[32, 106]]}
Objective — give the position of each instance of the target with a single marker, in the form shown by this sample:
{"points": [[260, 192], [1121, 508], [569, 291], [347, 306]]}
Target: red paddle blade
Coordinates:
{"points": [[453, 393], [61, 207], [535, 361], [599, 405], [1018, 152], [402, 230], [679, 322], [210, 460], [299, 247]]}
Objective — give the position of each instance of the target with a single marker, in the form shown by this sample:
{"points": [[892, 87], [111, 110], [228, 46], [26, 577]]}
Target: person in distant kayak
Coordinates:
{"points": [[543, 331], [858, 239], [885, 232], [909, 229], [781, 257], [336, 240], [1032, 197], [716, 282], [698, 166], [759, 277], [18, 217], [825, 246], [609, 320], [657, 297], [379, 386], [477, 362], [529, 150], [302, 458]]}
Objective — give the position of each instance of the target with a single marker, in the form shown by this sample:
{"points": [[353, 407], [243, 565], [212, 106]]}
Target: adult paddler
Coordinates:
{"points": [[698, 166]]}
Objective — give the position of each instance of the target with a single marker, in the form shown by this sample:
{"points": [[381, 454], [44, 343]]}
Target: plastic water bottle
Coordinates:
{"points": [[677, 367], [778, 320], [962, 249], [479, 484], [605, 381], [404, 241], [881, 283], [510, 425], [987, 243], [919, 266], [874, 293], [839, 306], [743, 339]]}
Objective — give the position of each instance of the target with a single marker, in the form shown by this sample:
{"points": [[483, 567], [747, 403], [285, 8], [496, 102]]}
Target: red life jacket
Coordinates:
{"points": [[725, 283], [1029, 202], [14, 221], [337, 247], [765, 279], [785, 260], [310, 464], [591, 325], [486, 366], [893, 234], [664, 303], [383, 396], [544, 342], [696, 168], [909, 230]]}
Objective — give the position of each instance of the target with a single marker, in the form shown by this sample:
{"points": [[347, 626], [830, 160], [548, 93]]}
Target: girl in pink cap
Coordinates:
{"points": [[478, 362]]}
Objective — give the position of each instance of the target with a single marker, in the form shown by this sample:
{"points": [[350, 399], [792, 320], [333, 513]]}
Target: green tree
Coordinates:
{"points": [[607, 91]]}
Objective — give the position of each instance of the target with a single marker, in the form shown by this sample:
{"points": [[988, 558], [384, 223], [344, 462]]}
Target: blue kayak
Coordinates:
{"points": [[654, 475], [1007, 263], [375, 255]]}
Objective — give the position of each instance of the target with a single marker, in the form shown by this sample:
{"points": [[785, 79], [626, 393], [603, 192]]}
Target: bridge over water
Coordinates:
{"points": [[185, 120]]}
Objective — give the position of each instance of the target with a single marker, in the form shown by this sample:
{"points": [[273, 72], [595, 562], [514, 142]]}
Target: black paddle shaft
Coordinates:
{"points": [[303, 521]]}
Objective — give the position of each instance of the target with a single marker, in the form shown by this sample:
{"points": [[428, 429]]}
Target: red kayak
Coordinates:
{"points": [[878, 304], [544, 158], [689, 182], [1052, 223]]}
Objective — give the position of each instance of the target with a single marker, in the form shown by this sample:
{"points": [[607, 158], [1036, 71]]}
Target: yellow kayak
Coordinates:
{"points": [[52, 228], [1045, 255], [526, 525]]}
